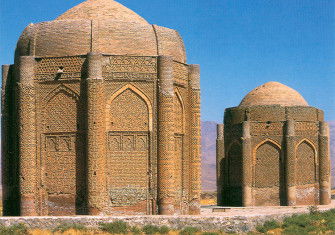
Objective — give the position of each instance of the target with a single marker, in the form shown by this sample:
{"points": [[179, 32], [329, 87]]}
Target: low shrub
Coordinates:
{"points": [[294, 230], [135, 230], [189, 231], [16, 229], [164, 230], [302, 221], [268, 225], [153, 229], [118, 227], [150, 229]]}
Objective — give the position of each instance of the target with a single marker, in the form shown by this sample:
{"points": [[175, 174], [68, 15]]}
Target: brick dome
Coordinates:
{"points": [[273, 93], [102, 9], [103, 26]]}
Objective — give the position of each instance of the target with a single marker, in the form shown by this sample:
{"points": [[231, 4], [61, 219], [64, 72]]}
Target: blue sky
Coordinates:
{"points": [[240, 44]]}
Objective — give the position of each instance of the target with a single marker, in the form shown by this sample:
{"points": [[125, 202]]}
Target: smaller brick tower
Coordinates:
{"points": [[272, 150]]}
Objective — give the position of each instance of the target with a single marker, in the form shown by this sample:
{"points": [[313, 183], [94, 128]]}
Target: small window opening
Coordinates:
{"points": [[60, 71]]}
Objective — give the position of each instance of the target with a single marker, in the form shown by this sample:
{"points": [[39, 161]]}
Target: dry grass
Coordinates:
{"points": [[69, 232], [208, 198], [208, 202], [76, 232]]}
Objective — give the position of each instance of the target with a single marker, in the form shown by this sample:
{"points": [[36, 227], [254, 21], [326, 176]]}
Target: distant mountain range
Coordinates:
{"points": [[208, 149]]}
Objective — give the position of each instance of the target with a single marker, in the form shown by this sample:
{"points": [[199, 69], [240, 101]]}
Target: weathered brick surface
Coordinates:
{"points": [[286, 142], [96, 109], [103, 26], [273, 93]]}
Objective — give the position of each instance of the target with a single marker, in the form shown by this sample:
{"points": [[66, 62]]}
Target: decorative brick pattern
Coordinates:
{"points": [[266, 129], [180, 74], [267, 166], [306, 128], [27, 135], [59, 68], [195, 137], [132, 68], [306, 164]]}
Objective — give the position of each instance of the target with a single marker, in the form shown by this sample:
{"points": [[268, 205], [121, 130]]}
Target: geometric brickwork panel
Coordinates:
{"points": [[267, 168], [128, 150], [306, 167], [127, 164], [129, 112]]}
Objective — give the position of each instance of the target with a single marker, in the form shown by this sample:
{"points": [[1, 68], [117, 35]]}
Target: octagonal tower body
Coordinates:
{"points": [[94, 117], [273, 150]]}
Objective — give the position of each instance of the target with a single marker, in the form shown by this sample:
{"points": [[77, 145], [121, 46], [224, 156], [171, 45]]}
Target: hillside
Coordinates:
{"points": [[208, 150], [208, 143]]}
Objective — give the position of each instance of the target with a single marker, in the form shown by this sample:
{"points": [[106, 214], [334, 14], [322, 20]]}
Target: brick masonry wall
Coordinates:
{"points": [[101, 113], [228, 223]]}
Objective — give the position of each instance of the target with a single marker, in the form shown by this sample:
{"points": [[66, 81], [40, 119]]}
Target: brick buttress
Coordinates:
{"points": [[27, 135], [290, 163], [96, 137], [165, 137], [195, 135], [324, 163]]}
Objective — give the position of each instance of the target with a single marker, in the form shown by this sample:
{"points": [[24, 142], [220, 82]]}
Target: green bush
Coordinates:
{"points": [[331, 225], [268, 225], [294, 230], [135, 230], [164, 230], [315, 222], [64, 227], [209, 233], [16, 229], [150, 229], [189, 231], [119, 227]]}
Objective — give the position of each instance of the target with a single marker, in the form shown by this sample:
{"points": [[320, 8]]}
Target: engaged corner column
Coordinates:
{"points": [[247, 199], [195, 135], [324, 164], [219, 157], [290, 161], [27, 136], [166, 192], [96, 137]]}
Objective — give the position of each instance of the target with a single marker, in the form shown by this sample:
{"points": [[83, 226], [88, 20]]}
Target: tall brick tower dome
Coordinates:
{"points": [[94, 117], [273, 149]]}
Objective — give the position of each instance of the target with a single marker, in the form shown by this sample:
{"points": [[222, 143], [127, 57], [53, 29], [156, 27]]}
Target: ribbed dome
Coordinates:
{"points": [[273, 93], [102, 9], [102, 26]]}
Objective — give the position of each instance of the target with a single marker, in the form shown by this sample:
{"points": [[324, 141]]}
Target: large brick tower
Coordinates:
{"points": [[273, 149], [100, 115]]}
